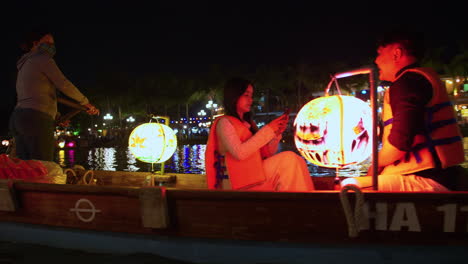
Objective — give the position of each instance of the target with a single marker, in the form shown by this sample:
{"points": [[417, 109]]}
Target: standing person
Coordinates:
{"points": [[422, 144], [32, 122], [242, 157]]}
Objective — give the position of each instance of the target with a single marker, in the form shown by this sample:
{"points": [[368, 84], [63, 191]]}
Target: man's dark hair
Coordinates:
{"points": [[35, 34], [411, 42]]}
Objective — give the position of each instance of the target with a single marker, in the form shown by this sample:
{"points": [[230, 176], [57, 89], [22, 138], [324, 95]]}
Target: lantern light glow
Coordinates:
{"points": [[152, 142], [334, 131], [61, 143]]}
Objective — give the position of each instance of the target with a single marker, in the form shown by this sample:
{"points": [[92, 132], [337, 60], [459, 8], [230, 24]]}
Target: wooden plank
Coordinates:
{"points": [[191, 181], [117, 212], [183, 181], [120, 178], [153, 207], [398, 218], [70, 188], [393, 218], [8, 200], [258, 216], [139, 179]]}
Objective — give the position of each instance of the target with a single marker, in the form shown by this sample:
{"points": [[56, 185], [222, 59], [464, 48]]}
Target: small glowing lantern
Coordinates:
{"points": [[334, 131], [61, 143], [152, 142]]}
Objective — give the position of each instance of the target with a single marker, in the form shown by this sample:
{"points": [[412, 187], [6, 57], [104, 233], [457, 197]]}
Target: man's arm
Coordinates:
{"points": [[64, 85], [389, 154], [56, 76], [408, 97]]}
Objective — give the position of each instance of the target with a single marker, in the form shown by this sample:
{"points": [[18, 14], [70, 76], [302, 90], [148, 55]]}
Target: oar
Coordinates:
{"points": [[77, 108]]}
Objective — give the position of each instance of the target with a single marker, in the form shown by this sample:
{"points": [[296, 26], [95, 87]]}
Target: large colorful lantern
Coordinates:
{"points": [[152, 142], [334, 131]]}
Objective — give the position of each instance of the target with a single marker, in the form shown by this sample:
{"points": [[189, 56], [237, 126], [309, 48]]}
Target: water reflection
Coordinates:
{"points": [[102, 159], [131, 164], [65, 157], [62, 159], [186, 159]]}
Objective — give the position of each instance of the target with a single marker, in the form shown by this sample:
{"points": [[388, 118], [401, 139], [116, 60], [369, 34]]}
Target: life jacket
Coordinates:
{"points": [[242, 173], [441, 144]]}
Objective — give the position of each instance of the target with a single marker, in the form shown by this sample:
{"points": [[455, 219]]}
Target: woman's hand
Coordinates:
{"points": [[279, 124]]}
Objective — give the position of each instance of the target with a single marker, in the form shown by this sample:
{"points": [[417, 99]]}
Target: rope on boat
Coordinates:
{"points": [[88, 177], [74, 178], [71, 176], [353, 220]]}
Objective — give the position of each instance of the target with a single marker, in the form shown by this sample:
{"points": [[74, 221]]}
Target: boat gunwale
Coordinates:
{"points": [[228, 194]]}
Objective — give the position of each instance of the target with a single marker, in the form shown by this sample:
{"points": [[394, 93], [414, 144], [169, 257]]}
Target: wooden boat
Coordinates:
{"points": [[183, 220], [175, 216]]}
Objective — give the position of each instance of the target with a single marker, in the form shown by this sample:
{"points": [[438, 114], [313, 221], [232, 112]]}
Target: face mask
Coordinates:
{"points": [[49, 48]]}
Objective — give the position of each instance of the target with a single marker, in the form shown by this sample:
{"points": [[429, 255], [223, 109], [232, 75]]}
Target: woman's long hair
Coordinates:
{"points": [[233, 90]]}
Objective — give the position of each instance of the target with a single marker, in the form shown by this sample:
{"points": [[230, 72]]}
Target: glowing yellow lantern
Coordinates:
{"points": [[61, 143], [334, 131], [152, 142]]}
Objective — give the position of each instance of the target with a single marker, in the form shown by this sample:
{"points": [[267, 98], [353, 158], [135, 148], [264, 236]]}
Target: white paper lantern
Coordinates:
{"points": [[334, 131], [152, 142]]}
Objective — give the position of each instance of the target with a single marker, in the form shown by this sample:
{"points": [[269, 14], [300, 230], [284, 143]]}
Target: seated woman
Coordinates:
{"points": [[239, 156]]}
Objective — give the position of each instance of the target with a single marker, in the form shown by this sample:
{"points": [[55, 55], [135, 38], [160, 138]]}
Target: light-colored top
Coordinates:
{"points": [[37, 81], [230, 142]]}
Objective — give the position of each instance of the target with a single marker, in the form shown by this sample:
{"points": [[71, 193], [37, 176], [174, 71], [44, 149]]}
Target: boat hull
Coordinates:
{"points": [[200, 219]]}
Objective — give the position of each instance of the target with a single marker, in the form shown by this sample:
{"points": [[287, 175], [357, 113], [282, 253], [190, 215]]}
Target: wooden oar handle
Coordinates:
{"points": [[71, 104], [67, 116], [76, 109]]}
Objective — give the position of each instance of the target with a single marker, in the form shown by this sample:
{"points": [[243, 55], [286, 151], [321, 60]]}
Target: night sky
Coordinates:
{"points": [[187, 38]]}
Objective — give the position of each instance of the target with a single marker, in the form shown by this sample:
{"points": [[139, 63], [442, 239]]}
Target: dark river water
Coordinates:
{"points": [[186, 159]]}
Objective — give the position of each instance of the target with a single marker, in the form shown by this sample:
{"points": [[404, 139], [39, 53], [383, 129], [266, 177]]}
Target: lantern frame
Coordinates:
{"points": [[373, 100], [374, 113]]}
